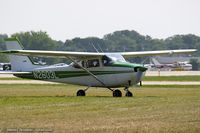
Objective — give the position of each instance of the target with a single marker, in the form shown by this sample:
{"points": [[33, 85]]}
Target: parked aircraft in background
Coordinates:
{"points": [[108, 70], [184, 66]]}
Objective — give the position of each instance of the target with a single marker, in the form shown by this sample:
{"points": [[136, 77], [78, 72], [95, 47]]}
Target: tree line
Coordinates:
{"points": [[118, 41]]}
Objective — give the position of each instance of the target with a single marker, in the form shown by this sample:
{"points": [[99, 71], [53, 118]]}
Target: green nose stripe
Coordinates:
{"points": [[142, 68], [130, 65]]}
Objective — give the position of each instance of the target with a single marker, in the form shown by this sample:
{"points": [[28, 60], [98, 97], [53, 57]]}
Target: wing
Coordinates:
{"points": [[17, 49], [81, 55], [60, 54], [152, 53]]}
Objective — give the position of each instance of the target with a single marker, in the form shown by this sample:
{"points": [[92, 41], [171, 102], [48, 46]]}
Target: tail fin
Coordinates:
{"points": [[155, 62], [19, 63]]}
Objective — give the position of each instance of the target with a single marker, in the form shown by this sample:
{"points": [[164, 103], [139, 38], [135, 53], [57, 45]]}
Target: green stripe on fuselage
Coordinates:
{"points": [[69, 74], [83, 73], [126, 64]]}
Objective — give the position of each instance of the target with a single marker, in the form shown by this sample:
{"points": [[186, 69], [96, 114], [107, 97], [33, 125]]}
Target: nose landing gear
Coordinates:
{"points": [[128, 93]]}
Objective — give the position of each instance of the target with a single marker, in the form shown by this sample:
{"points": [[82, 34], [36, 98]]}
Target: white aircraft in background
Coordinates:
{"points": [[108, 70], [172, 66]]}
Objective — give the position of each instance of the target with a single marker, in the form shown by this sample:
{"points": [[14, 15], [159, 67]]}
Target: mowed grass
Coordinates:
{"points": [[153, 109]]}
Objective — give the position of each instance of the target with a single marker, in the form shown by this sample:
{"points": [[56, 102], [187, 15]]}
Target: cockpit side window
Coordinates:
{"points": [[93, 63], [106, 61]]}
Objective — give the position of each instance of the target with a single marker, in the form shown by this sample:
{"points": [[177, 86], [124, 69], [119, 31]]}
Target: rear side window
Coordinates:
{"points": [[93, 63]]}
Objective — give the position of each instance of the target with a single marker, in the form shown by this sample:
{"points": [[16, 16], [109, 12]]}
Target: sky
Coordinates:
{"points": [[67, 19]]}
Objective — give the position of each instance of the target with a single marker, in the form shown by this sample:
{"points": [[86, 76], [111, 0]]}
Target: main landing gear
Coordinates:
{"points": [[80, 93], [116, 93]]}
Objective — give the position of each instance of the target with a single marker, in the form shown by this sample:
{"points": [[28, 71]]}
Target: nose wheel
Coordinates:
{"points": [[128, 93]]}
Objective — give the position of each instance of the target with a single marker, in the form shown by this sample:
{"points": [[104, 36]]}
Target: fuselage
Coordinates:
{"points": [[117, 73]]}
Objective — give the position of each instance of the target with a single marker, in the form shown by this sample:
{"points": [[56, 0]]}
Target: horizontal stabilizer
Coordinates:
{"points": [[10, 72]]}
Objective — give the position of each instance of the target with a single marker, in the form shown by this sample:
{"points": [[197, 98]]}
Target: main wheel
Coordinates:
{"points": [[117, 93], [129, 94], [80, 93]]}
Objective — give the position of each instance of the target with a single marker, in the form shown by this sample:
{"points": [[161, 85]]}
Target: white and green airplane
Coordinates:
{"points": [[108, 70]]}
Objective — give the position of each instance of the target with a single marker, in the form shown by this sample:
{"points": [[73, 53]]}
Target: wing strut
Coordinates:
{"points": [[94, 76]]}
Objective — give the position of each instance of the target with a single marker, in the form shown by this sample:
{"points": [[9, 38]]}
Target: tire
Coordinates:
{"points": [[117, 93], [129, 94], [80, 93]]}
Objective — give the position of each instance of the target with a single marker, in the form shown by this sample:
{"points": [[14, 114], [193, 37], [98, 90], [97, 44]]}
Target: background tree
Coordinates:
{"points": [[195, 64], [3, 57], [118, 41]]}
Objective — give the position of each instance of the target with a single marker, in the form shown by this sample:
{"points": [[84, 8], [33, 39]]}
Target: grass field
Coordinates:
{"points": [[153, 109]]}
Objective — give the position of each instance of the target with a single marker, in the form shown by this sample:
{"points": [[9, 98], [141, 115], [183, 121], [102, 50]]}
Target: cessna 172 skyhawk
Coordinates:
{"points": [[108, 70]]}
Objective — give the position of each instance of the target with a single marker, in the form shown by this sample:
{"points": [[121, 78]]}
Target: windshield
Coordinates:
{"points": [[116, 57], [111, 58]]}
